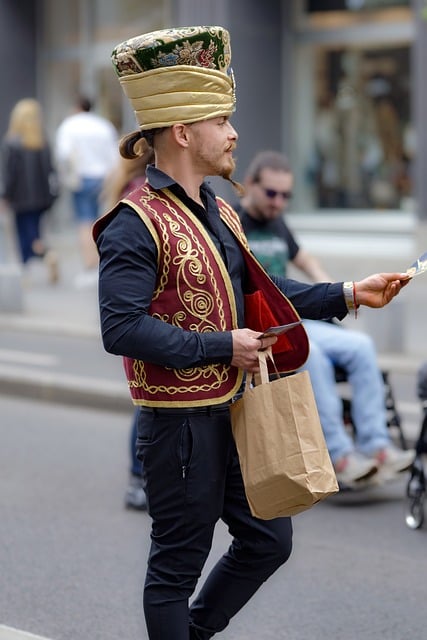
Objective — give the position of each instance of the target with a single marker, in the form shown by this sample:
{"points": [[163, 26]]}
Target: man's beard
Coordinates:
{"points": [[217, 167], [228, 172]]}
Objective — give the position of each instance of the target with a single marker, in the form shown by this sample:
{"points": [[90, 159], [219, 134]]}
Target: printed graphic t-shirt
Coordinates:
{"points": [[272, 242]]}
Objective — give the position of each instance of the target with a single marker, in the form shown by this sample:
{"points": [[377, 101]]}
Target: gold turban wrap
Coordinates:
{"points": [[177, 75]]}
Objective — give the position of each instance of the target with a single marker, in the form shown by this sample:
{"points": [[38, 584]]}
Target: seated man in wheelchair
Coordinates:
{"points": [[371, 456]]}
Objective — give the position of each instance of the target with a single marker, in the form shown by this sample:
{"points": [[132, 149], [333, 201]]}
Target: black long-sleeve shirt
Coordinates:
{"points": [[128, 274]]}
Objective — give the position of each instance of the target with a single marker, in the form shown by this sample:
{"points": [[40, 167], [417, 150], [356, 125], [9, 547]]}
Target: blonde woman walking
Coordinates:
{"points": [[28, 179]]}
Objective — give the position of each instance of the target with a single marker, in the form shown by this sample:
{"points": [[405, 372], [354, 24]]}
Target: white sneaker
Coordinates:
{"points": [[353, 468], [392, 461]]}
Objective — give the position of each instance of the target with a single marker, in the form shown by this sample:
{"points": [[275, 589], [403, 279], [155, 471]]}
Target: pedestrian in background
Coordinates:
{"points": [[86, 152], [128, 175], [174, 268], [29, 181], [372, 457]]}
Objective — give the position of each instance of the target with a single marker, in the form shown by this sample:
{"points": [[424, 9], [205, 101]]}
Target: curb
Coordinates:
{"points": [[68, 389], [65, 389], [15, 322]]}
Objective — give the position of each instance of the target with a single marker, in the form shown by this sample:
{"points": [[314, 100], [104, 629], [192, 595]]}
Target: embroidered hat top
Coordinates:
{"points": [[177, 75]]}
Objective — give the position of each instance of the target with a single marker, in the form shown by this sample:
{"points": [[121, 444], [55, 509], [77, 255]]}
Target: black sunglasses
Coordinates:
{"points": [[272, 193]]}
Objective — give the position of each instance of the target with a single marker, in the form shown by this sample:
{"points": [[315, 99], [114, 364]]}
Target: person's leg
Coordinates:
{"points": [[135, 463], [354, 352], [367, 393], [184, 463], [86, 210], [31, 244], [350, 465], [135, 497], [329, 404], [37, 247], [24, 234], [258, 549]]}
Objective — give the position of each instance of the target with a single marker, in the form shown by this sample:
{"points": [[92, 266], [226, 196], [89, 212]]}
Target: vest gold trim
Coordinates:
{"points": [[193, 292]]}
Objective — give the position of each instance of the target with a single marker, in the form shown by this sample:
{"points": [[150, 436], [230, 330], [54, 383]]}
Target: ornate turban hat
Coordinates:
{"points": [[177, 75]]}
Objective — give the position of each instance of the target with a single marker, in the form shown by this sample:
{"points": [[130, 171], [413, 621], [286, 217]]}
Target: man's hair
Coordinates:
{"points": [[134, 144], [267, 160]]}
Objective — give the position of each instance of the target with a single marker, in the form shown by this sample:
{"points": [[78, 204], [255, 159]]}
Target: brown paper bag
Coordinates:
{"points": [[283, 456]]}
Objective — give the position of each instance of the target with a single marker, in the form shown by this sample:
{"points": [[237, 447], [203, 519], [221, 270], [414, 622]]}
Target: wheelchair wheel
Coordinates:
{"points": [[415, 515]]}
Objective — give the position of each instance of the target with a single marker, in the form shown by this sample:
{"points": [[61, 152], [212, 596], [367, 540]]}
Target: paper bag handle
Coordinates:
{"points": [[263, 368]]}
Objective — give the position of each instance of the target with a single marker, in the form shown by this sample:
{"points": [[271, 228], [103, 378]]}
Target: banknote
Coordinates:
{"points": [[419, 266]]}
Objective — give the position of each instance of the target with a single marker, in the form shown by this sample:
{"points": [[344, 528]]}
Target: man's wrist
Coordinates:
{"points": [[349, 291]]}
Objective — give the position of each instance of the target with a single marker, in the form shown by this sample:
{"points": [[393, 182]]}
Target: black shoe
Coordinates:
{"points": [[135, 497]]}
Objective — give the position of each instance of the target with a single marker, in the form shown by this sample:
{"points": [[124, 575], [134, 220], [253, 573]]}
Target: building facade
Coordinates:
{"points": [[337, 85]]}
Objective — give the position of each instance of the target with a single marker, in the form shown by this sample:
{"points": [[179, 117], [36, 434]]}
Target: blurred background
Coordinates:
{"points": [[336, 85]]}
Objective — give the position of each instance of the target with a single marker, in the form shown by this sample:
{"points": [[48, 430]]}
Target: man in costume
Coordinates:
{"points": [[184, 301]]}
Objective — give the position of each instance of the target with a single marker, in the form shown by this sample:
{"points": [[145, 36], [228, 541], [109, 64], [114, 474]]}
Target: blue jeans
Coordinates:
{"points": [[28, 231], [86, 199], [354, 352]]}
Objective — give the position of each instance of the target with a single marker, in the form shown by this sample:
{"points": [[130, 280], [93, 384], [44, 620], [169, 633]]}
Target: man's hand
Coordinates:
{"points": [[246, 344], [379, 289]]}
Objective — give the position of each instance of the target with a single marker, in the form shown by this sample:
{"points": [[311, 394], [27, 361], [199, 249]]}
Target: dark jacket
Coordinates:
{"points": [[128, 277], [28, 177]]}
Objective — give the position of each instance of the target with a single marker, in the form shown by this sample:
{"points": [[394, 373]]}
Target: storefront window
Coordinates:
{"points": [[354, 143], [363, 143]]}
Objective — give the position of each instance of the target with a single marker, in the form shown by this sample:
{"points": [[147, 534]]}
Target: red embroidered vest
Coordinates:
{"points": [[194, 292]]}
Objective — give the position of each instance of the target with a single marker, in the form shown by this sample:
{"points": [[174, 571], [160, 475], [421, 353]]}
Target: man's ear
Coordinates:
{"points": [[179, 134]]}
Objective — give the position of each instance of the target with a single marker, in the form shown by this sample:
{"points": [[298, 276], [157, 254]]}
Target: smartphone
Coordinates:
{"points": [[276, 331]]}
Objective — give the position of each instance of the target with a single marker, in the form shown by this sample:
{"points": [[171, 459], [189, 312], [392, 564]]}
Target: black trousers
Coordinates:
{"points": [[193, 479]]}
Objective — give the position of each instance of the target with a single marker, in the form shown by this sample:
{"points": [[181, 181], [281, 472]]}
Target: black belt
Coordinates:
{"points": [[201, 411]]}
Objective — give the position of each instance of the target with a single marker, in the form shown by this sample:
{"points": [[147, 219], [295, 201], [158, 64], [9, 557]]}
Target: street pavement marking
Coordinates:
{"points": [[9, 633], [26, 357]]}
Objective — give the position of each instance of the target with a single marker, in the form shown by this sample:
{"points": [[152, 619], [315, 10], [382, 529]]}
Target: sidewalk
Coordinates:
{"points": [[62, 307], [62, 310]]}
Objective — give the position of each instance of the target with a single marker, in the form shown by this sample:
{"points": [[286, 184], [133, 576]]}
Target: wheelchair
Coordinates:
{"points": [[394, 421], [416, 488]]}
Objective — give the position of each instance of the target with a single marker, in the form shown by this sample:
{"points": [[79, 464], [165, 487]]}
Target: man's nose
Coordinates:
{"points": [[232, 133]]}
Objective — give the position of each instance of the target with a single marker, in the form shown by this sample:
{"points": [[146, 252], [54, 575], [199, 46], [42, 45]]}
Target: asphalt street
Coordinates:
{"points": [[73, 558]]}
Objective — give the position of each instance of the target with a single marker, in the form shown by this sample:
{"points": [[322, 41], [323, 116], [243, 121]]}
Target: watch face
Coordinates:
{"points": [[419, 266]]}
